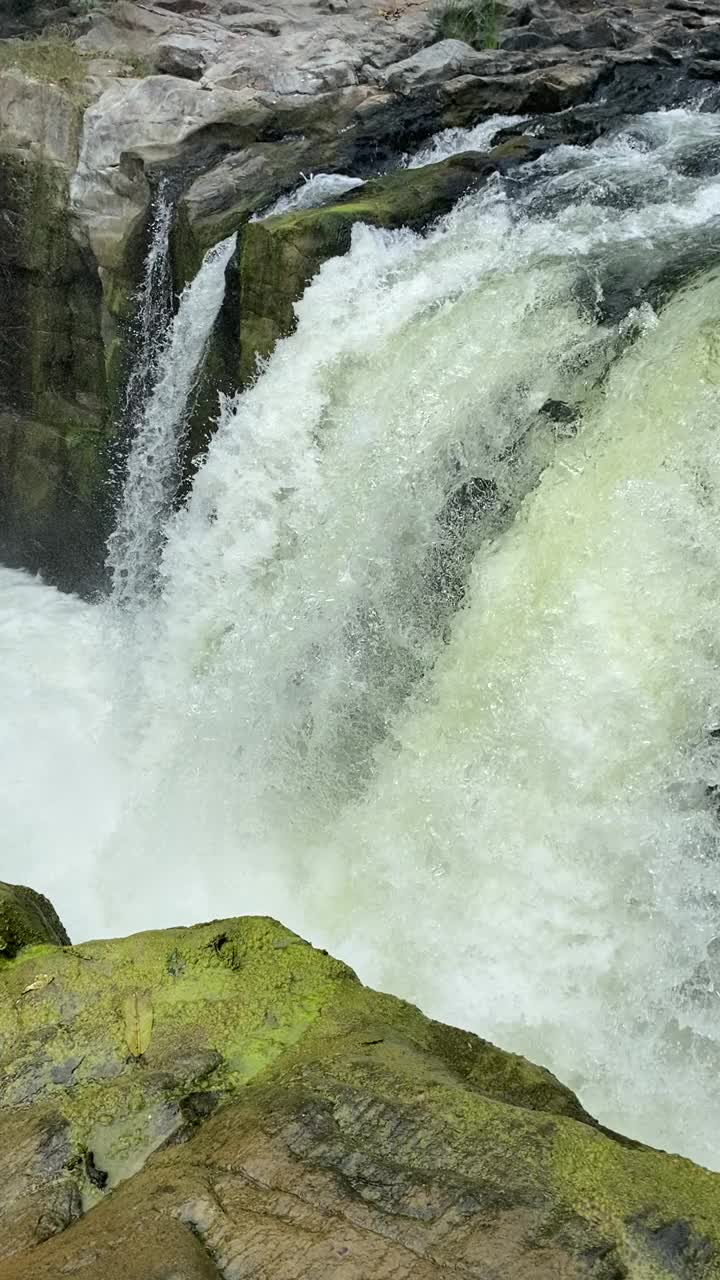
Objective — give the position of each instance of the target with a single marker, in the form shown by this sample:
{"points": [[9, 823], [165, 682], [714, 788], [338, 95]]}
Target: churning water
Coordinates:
{"points": [[432, 669]]}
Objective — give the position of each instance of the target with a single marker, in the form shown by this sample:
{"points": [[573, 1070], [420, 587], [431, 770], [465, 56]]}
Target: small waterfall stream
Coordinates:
{"points": [[432, 663], [152, 472], [153, 307]]}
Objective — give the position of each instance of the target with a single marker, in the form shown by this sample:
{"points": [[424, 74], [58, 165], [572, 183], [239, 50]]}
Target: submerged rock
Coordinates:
{"points": [[225, 1100]]}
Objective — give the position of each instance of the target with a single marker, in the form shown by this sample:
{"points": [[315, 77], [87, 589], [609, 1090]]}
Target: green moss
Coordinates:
{"points": [[55, 59], [51, 58], [239, 991], [474, 21], [279, 256], [86, 449], [631, 1193], [436, 1137]]}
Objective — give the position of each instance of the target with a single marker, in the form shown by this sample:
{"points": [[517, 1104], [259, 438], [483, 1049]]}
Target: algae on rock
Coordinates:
{"points": [[225, 1100]]}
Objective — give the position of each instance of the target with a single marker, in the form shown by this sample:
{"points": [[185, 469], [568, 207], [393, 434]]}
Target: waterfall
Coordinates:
{"points": [[153, 463], [434, 671]]}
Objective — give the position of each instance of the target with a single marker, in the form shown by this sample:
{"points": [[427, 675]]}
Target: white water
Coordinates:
{"points": [[322, 188], [153, 306], [453, 141], [153, 462], [493, 804], [317, 189]]}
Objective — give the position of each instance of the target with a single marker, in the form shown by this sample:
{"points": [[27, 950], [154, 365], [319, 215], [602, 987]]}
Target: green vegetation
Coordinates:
{"points": [[474, 21], [53, 58]]}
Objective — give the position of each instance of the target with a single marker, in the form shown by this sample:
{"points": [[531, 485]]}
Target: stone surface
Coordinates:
{"points": [[437, 62], [226, 1101]]}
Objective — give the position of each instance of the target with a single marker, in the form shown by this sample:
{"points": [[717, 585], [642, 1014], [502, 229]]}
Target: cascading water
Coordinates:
{"points": [[153, 462], [434, 671], [153, 309]]}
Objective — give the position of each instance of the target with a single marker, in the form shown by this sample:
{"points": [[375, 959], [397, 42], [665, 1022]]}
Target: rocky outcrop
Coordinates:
{"points": [[226, 1101]]}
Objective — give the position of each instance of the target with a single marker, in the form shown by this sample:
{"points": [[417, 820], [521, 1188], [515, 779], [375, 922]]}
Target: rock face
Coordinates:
{"points": [[229, 102], [53, 392], [226, 1101]]}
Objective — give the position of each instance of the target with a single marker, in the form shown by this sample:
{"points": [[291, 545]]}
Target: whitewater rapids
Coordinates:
{"points": [[472, 749]]}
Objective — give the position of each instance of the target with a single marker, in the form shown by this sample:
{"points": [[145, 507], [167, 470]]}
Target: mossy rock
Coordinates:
{"points": [[225, 1100], [280, 255], [54, 412], [27, 919]]}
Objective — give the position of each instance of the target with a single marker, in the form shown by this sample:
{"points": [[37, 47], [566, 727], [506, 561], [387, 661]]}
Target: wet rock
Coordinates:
{"points": [[563, 416], [97, 1177], [279, 256], [53, 385], [39, 1191], [344, 1133], [679, 1249], [27, 919]]}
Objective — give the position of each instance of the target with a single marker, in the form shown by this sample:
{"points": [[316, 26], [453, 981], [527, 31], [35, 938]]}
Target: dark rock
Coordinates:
{"points": [[175, 59], [679, 1249], [562, 414], [53, 389], [27, 919], [96, 1176]]}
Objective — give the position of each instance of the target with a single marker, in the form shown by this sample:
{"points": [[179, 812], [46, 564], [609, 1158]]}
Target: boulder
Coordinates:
{"points": [[438, 62], [150, 120], [227, 1101], [181, 56], [551, 88]]}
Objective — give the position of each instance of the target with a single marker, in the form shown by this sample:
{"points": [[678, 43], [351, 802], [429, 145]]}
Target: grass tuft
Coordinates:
{"points": [[474, 21]]}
